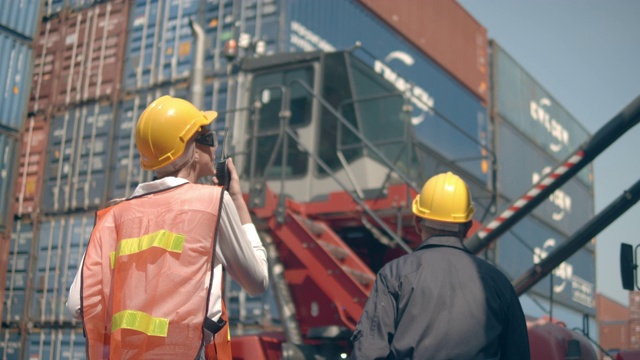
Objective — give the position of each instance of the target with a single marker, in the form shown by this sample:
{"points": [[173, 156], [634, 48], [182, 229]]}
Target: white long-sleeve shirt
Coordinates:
{"points": [[238, 250]]}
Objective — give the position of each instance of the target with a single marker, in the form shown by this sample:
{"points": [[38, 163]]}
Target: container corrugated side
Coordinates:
{"points": [[15, 72], [521, 164], [20, 16], [79, 56], [521, 100], [62, 241], [610, 310], [259, 29], [93, 51], [5, 245], [530, 241], [10, 343], [56, 344], [78, 158], [33, 155], [634, 333], [161, 43], [444, 31], [19, 258], [614, 335], [441, 105], [46, 64], [634, 305], [126, 171], [8, 146]]}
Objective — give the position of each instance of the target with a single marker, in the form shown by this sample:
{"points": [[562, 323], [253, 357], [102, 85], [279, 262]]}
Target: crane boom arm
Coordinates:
{"points": [[581, 237]]}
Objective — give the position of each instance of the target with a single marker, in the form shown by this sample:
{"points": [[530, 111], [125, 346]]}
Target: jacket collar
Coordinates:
{"points": [[158, 185], [443, 241]]}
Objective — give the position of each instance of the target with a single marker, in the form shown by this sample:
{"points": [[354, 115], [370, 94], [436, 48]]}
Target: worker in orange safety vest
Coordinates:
{"points": [[150, 283]]}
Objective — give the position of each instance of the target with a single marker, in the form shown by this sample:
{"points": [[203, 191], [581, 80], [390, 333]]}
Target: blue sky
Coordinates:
{"points": [[586, 53]]}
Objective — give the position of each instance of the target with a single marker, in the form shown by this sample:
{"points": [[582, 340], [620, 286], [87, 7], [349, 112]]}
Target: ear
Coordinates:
{"points": [[416, 225]]}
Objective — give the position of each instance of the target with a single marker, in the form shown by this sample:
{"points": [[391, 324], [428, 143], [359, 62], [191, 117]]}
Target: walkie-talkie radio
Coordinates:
{"points": [[222, 170]]}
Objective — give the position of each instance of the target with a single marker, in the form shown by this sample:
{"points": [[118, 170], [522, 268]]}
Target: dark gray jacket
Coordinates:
{"points": [[441, 302]]}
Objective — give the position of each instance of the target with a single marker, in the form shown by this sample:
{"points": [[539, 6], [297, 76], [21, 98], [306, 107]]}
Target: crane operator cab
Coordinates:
{"points": [[317, 123]]}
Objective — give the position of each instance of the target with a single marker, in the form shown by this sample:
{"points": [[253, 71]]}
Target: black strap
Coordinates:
{"points": [[214, 326]]}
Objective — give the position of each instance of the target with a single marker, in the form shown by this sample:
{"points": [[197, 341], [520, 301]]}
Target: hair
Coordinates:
{"points": [[180, 162]]}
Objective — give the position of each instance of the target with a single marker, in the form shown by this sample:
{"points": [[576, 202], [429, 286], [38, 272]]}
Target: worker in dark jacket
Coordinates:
{"points": [[441, 301]]}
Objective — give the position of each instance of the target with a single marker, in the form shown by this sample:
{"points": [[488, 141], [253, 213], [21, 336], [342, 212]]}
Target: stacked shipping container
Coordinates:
{"points": [[99, 63], [532, 135], [613, 323], [64, 160], [18, 22]]}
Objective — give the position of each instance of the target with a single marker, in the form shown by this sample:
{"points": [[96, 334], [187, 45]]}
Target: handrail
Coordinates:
{"points": [[357, 133]]}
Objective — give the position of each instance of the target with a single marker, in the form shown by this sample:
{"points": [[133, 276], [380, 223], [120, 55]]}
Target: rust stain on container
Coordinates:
{"points": [[445, 32], [32, 162]]}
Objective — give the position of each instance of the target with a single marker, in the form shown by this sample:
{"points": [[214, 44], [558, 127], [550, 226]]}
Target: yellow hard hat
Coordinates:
{"points": [[445, 197], [164, 128]]}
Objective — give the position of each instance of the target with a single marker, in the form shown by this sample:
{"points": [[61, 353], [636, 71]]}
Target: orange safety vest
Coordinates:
{"points": [[146, 277]]}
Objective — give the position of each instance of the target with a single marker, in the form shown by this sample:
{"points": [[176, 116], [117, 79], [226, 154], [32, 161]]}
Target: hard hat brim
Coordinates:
{"points": [[210, 115]]}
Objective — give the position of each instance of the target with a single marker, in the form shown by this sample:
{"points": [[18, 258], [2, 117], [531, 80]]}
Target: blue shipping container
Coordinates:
{"points": [[7, 160], [15, 77], [17, 271], [528, 242], [14, 306], [537, 307], [20, 16], [51, 344], [61, 244], [257, 32], [521, 164], [10, 343], [57, 344], [161, 43], [521, 100], [78, 157]]}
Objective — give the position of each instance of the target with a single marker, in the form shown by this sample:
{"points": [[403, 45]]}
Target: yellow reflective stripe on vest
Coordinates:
{"points": [[162, 239], [140, 321]]}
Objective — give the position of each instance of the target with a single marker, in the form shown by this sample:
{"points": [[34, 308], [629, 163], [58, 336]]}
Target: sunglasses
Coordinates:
{"points": [[208, 139]]}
